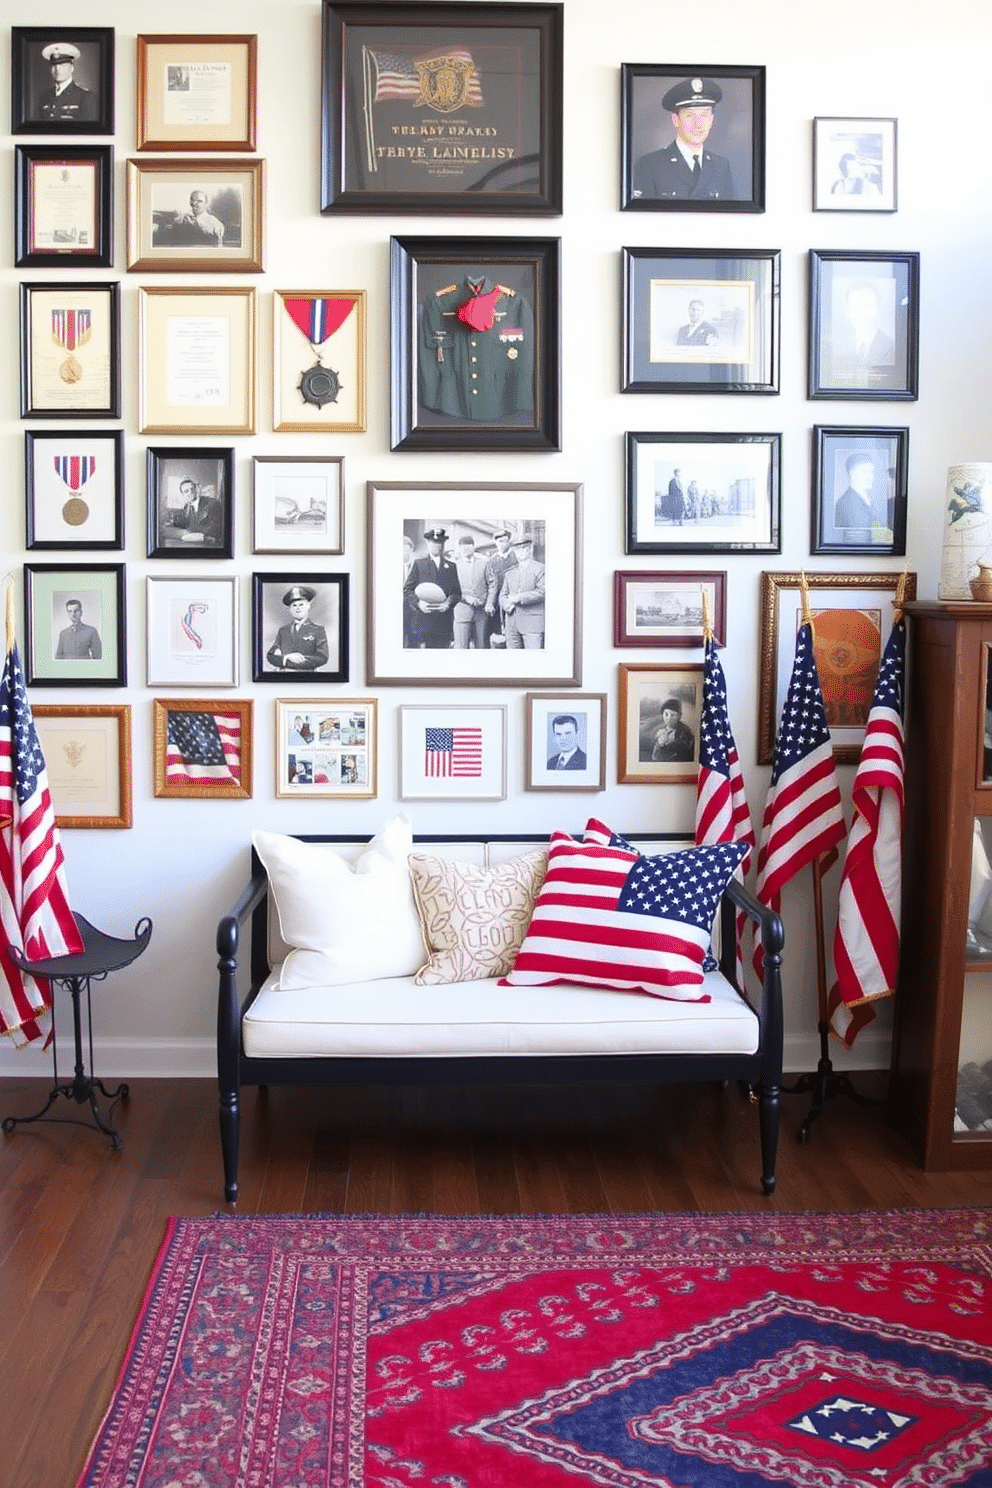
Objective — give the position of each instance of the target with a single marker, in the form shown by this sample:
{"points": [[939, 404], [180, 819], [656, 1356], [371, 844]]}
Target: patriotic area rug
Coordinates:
{"points": [[731, 1351]]}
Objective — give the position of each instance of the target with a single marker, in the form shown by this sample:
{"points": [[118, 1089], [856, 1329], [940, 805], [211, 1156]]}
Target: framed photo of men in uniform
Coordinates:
{"points": [[299, 624], [62, 79], [476, 362], [692, 138]]}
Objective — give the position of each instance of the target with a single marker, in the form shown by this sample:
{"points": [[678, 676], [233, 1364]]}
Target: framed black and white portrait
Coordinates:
{"points": [[854, 165], [703, 493], [299, 626], [62, 79], [190, 502], [864, 325], [74, 623], [565, 741], [660, 710], [859, 491], [202, 215]]}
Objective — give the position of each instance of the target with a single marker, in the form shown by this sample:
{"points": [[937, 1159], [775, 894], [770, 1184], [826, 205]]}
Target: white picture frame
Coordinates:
{"points": [[470, 766], [297, 504], [192, 631]]}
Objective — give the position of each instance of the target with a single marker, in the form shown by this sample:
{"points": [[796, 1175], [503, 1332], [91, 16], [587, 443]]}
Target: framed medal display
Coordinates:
{"points": [[70, 350], [75, 488], [319, 355], [63, 206]]}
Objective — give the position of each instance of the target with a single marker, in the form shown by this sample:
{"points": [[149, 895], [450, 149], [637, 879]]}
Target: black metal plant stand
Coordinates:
{"points": [[101, 954]]}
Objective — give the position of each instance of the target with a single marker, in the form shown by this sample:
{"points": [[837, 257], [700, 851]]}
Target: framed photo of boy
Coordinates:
{"points": [[692, 138], [74, 624], [854, 165], [192, 631], [660, 707], [565, 741], [453, 752], [74, 484], [62, 79], [319, 361], [666, 609], [198, 215], [864, 325], [326, 749], [475, 348], [297, 504], [703, 493], [859, 491], [88, 762], [190, 502], [299, 626], [700, 321], [203, 748], [63, 206], [71, 350]]}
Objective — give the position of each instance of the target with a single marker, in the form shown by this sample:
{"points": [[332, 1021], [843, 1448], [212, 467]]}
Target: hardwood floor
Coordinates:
{"points": [[80, 1224]]}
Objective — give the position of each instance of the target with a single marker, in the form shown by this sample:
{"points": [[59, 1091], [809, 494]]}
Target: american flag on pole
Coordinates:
{"points": [[203, 749], [866, 941], [34, 901], [722, 813], [453, 752], [804, 818]]}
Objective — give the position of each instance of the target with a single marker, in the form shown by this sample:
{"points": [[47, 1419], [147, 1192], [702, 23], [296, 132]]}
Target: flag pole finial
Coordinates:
{"points": [[9, 612], [707, 621], [804, 591], [900, 598]]}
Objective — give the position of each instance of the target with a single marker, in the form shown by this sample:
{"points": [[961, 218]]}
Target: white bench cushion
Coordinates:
{"points": [[394, 1018]]}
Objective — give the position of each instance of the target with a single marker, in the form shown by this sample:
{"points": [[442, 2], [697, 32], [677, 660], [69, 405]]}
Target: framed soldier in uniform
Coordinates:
{"points": [[475, 359], [62, 79]]}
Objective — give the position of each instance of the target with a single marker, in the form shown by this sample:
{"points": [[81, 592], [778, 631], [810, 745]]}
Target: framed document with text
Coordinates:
{"points": [[196, 92], [88, 762], [63, 208], [197, 360]]}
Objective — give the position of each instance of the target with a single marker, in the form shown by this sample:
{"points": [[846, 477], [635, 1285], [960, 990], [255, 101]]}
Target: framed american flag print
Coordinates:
{"points": [[453, 753]]}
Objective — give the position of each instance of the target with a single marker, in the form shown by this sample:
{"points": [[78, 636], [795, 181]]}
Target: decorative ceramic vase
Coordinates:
{"points": [[967, 530]]}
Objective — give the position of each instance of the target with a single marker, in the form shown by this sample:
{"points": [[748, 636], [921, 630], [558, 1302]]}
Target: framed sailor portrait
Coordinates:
{"points": [[70, 350], [63, 206], [692, 138], [476, 362], [62, 79], [319, 361], [435, 108]]}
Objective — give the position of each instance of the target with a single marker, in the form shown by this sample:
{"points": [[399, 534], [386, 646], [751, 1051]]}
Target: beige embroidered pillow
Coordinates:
{"points": [[474, 919]]}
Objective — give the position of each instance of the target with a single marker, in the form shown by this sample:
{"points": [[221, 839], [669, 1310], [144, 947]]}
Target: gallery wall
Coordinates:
{"points": [[183, 860]]}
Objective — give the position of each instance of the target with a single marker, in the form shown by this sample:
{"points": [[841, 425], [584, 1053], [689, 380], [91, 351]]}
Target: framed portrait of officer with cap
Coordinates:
{"points": [[62, 80], [692, 138], [299, 627]]}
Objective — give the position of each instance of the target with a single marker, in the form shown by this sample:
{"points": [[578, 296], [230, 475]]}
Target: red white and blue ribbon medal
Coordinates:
{"points": [[70, 330], [318, 319], [74, 471]]}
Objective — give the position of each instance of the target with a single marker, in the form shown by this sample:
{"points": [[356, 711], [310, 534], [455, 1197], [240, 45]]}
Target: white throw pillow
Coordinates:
{"points": [[344, 922]]}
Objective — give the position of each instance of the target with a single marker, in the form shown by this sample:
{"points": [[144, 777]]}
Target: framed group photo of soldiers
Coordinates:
{"points": [[660, 709], [63, 206], [74, 625], [474, 584], [62, 79], [864, 325], [860, 480], [299, 627], [703, 493], [442, 108], [197, 215], [475, 357], [692, 138], [190, 502]]}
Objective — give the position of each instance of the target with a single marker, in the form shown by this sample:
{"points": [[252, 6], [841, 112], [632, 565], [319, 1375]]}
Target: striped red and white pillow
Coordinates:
{"points": [[611, 917]]}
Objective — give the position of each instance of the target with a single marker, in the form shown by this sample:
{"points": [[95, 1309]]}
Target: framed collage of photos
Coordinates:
{"points": [[87, 753], [74, 488], [327, 748], [63, 206]]}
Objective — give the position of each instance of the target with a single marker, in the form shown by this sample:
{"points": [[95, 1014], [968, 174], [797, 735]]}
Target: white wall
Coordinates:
{"points": [[183, 861]]}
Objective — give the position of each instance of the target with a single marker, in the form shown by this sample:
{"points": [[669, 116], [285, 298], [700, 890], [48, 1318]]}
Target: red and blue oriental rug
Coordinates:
{"points": [[667, 1351]]}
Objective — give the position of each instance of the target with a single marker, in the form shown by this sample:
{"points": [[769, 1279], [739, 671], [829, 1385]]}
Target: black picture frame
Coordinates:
{"points": [[97, 655], [655, 175], [79, 375], [457, 142], [190, 502], [74, 488], [875, 296], [68, 240], [272, 613], [432, 371], [32, 76], [700, 320], [859, 497], [737, 504]]}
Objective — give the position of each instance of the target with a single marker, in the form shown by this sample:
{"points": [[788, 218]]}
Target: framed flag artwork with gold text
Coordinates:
{"points": [[319, 361], [70, 350]]}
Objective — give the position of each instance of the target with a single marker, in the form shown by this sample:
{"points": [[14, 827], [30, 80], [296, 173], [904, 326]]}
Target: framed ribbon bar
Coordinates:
{"points": [[320, 361]]}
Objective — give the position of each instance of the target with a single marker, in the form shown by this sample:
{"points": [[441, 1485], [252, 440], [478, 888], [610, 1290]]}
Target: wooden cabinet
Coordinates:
{"points": [[942, 1037]]}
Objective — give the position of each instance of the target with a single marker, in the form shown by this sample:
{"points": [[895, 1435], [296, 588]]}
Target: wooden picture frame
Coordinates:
{"points": [[854, 165], [196, 92], [70, 91], [74, 488], [197, 354], [671, 112], [327, 749], [70, 341], [74, 621], [196, 216], [864, 325], [440, 108], [859, 607], [410, 646], [192, 630], [320, 361], [87, 753], [700, 320], [297, 504], [666, 608], [452, 752], [565, 741], [190, 502], [859, 498], [63, 206], [491, 381], [203, 748], [300, 625], [659, 710], [703, 493]]}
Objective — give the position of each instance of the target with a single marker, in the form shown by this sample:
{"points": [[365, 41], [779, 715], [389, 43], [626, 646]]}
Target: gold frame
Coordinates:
{"points": [[244, 707], [141, 252], [327, 792], [239, 414], [635, 771], [113, 713], [289, 363], [154, 130], [846, 752]]}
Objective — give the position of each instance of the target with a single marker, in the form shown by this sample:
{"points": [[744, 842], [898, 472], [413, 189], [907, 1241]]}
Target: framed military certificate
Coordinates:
{"points": [[63, 206], [442, 108]]}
